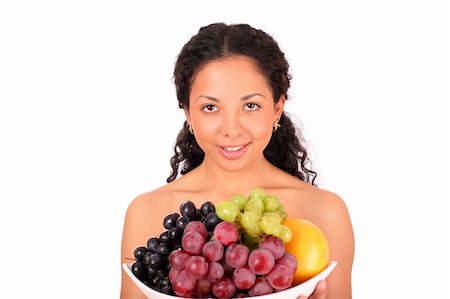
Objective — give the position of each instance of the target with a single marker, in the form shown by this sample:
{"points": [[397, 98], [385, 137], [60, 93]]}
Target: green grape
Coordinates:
{"points": [[271, 203], [255, 205], [281, 207], [269, 226], [249, 241], [249, 221], [240, 200], [257, 193], [282, 212], [275, 216], [227, 210], [285, 234]]}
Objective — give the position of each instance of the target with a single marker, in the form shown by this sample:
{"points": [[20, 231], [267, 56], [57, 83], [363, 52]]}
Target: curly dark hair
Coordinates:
{"points": [[286, 148]]}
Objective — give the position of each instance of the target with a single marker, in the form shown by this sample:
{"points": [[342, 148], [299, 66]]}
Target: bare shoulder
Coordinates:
{"points": [[323, 207], [147, 200], [317, 204], [142, 221], [330, 213], [330, 205]]}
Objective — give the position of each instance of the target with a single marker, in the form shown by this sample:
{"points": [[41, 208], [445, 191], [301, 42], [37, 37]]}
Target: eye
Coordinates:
{"points": [[209, 108], [251, 106]]}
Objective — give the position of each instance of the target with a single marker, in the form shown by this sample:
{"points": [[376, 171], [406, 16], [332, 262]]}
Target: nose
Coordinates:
{"points": [[231, 125]]}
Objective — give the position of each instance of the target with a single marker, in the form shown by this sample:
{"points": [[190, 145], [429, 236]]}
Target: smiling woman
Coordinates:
{"points": [[232, 82], [232, 126]]}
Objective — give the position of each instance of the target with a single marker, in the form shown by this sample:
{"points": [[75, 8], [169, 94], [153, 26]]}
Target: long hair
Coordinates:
{"points": [[286, 149]]}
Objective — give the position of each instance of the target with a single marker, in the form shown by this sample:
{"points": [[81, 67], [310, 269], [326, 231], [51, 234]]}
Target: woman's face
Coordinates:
{"points": [[232, 112]]}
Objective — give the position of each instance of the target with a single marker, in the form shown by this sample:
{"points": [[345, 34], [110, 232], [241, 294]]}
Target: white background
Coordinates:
{"points": [[89, 118]]}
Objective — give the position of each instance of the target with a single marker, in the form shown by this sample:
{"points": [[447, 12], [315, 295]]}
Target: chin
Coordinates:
{"points": [[233, 167]]}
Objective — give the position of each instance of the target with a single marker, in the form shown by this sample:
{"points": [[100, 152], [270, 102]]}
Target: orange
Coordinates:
{"points": [[309, 246]]}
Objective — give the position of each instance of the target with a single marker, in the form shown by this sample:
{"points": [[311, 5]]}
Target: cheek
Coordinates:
{"points": [[260, 127], [206, 128], [262, 134]]}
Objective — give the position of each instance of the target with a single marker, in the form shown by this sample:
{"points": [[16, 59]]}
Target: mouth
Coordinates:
{"points": [[232, 148], [233, 152]]}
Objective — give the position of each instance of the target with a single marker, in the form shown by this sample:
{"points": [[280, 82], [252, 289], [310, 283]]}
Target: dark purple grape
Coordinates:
{"points": [[156, 261], [211, 221], [207, 207], [151, 273], [163, 249], [160, 273], [177, 246], [164, 237], [182, 222], [175, 234], [170, 220], [152, 244], [147, 257], [139, 253], [198, 215], [139, 270], [188, 209]]}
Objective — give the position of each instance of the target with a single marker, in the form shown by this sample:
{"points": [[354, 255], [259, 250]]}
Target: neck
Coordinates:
{"points": [[243, 181]]}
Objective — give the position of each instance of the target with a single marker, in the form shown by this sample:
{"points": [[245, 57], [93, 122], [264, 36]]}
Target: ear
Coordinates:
{"points": [[188, 115], [279, 107]]}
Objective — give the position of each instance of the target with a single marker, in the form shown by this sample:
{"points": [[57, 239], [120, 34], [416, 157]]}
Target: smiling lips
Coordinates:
{"points": [[233, 152]]}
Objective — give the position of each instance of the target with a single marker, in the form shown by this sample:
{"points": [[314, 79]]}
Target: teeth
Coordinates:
{"points": [[233, 149]]}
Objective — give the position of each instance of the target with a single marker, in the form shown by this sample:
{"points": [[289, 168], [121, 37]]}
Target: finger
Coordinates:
{"points": [[302, 297], [321, 290]]}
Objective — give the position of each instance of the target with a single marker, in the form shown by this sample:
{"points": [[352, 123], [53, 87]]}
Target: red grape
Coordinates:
{"points": [[289, 261], [274, 245], [183, 284], [196, 226], [261, 287], [243, 278], [178, 258], [236, 255], [226, 233], [224, 288], [196, 267], [173, 273], [193, 243], [228, 270], [215, 271], [280, 277], [213, 251], [203, 288], [261, 261]]}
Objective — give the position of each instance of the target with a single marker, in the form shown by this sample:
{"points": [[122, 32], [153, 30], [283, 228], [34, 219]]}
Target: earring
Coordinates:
{"points": [[190, 129], [276, 125]]}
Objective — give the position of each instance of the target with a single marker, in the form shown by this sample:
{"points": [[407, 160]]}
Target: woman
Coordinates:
{"points": [[232, 81]]}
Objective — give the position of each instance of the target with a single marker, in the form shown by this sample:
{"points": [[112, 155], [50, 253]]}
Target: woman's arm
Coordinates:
{"points": [[135, 234], [333, 219], [336, 225]]}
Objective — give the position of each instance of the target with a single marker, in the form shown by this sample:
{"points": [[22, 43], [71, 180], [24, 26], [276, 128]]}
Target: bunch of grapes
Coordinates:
{"points": [[151, 264], [226, 268], [235, 249], [258, 215]]}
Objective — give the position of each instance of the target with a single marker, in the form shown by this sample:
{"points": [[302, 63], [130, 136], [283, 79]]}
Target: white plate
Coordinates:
{"points": [[304, 289]]}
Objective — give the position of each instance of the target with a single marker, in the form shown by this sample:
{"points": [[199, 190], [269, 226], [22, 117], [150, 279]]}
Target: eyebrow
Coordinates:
{"points": [[244, 98]]}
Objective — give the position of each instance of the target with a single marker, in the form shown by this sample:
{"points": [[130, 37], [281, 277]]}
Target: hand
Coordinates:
{"points": [[319, 293]]}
